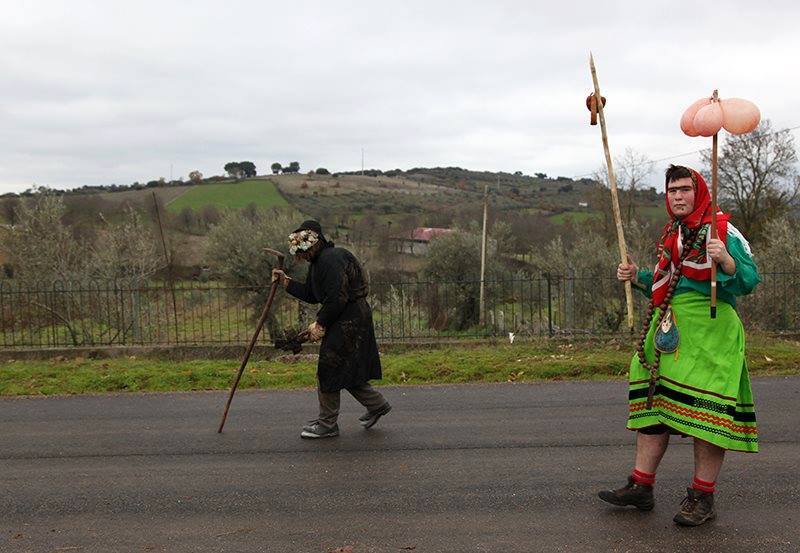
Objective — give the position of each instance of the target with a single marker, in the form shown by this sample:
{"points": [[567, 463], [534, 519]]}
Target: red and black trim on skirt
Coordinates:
{"points": [[696, 402], [677, 422]]}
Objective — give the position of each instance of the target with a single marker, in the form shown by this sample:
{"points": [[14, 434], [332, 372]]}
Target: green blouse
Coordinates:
{"points": [[740, 283]]}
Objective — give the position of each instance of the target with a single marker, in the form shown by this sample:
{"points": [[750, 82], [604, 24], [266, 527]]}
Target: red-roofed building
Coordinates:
{"points": [[420, 237]]}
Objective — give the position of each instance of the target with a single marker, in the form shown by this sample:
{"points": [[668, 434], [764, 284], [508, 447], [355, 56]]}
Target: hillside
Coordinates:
{"points": [[344, 196], [365, 209]]}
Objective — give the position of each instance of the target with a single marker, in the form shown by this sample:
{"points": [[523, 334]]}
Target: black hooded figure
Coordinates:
{"points": [[348, 355]]}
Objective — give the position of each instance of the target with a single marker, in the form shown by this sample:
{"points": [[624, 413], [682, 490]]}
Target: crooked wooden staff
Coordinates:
{"points": [[595, 104], [254, 339]]}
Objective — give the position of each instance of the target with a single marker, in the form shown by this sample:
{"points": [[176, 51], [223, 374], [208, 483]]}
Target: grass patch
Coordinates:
{"points": [[233, 195], [523, 362]]}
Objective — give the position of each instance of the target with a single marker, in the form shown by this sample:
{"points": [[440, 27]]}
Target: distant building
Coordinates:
{"points": [[583, 204], [417, 242]]}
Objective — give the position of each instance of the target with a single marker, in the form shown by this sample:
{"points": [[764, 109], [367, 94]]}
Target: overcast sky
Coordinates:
{"points": [[115, 92]]}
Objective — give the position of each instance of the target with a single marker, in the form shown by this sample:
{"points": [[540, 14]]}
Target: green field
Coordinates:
{"points": [[233, 195]]}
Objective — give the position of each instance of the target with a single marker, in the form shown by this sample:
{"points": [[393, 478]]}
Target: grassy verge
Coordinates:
{"points": [[479, 363]]}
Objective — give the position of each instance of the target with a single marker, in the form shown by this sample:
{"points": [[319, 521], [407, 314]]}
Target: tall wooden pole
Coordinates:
{"points": [[168, 261], [612, 181], [482, 304], [714, 217]]}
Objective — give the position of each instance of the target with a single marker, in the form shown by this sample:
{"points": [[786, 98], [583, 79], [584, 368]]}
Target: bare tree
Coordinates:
{"points": [[8, 210], [127, 250], [633, 170], [758, 176]]}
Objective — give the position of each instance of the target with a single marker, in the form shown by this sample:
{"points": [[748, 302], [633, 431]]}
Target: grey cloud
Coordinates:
{"points": [[115, 92]]}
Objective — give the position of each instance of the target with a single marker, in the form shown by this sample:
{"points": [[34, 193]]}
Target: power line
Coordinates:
{"points": [[694, 152]]}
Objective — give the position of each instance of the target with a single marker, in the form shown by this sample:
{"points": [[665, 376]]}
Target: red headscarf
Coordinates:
{"points": [[696, 265]]}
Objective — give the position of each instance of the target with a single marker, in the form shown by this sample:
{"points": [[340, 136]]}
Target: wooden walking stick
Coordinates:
{"points": [[595, 103], [253, 340]]}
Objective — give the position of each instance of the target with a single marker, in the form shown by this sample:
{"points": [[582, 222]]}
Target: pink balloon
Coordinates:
{"points": [[739, 116], [687, 120], [708, 120]]}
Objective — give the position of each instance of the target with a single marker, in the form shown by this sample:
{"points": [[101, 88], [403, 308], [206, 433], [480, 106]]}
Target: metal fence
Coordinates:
{"points": [[195, 313]]}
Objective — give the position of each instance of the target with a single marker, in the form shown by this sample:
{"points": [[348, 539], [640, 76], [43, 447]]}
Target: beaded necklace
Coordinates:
{"points": [[692, 240]]}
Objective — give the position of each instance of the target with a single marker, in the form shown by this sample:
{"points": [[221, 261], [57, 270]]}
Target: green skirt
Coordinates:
{"points": [[703, 389]]}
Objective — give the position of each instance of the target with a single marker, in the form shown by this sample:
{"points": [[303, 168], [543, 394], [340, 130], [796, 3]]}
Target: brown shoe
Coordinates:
{"points": [[638, 495], [696, 509]]}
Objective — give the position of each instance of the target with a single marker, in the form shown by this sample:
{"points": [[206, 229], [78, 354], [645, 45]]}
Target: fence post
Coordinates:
{"points": [[549, 306], [569, 299], [135, 314]]}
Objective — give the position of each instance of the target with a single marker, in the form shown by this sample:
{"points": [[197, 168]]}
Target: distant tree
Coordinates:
{"points": [[540, 175], [8, 210], [633, 170], [276, 168], [236, 252], [588, 254], [126, 250], [248, 168], [44, 252], [188, 220], [41, 247], [758, 176], [196, 177], [455, 259], [295, 167], [233, 169], [517, 173], [322, 171], [210, 216]]}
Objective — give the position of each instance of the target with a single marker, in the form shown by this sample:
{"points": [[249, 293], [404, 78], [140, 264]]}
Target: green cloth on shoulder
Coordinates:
{"points": [[741, 283]]}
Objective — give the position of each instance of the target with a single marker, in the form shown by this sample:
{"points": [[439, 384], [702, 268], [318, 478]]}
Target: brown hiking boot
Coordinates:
{"points": [[638, 495], [696, 509]]}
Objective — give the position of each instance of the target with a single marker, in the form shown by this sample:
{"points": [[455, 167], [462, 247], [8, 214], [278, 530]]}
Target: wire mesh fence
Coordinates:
{"points": [[196, 313]]}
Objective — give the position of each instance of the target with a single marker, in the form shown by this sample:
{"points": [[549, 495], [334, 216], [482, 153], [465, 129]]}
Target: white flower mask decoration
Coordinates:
{"points": [[302, 241]]}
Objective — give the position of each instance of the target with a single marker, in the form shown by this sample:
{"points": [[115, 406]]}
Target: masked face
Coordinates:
{"points": [[680, 194]]}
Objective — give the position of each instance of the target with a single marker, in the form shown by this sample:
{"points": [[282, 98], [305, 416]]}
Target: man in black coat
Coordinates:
{"points": [[348, 354]]}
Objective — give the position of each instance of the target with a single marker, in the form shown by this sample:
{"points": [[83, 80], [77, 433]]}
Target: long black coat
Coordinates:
{"points": [[348, 355]]}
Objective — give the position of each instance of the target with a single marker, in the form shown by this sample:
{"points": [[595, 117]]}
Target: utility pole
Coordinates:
{"points": [[482, 304], [362, 162], [168, 261]]}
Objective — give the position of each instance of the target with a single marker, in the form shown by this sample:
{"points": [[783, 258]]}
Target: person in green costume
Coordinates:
{"points": [[689, 375]]}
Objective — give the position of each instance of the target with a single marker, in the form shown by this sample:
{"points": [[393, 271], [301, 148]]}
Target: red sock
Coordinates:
{"points": [[703, 486], [643, 478]]}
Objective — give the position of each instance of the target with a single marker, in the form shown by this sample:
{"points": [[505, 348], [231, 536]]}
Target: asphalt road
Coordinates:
{"points": [[469, 468]]}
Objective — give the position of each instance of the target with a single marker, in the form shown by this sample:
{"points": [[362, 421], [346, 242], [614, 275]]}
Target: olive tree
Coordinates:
{"points": [[236, 252]]}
